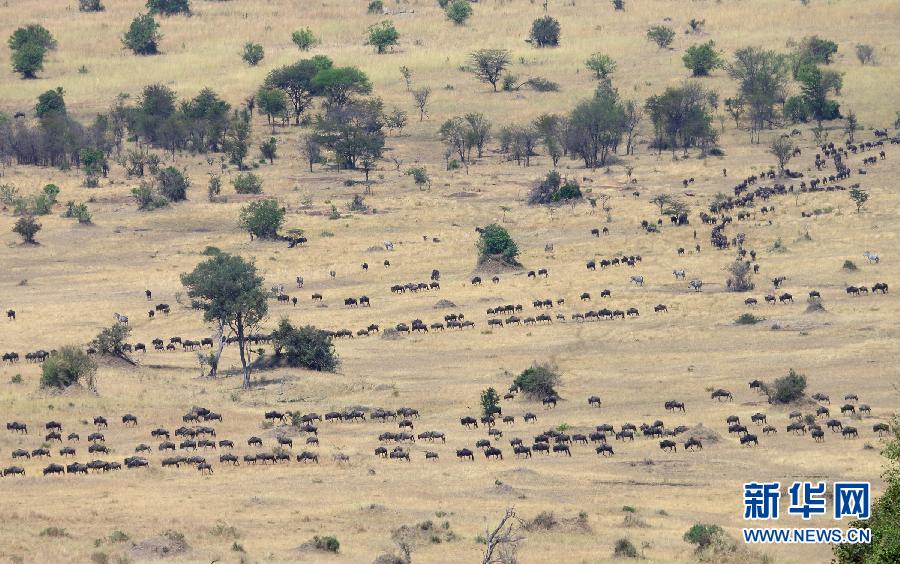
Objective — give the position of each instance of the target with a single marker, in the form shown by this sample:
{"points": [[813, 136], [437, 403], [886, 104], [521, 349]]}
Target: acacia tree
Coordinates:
{"points": [[783, 149], [489, 64], [296, 81], [762, 78], [596, 126], [230, 292]]}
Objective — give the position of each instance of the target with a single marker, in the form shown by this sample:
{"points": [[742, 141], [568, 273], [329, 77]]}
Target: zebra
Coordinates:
{"points": [[679, 273], [871, 257], [388, 246], [696, 285], [639, 280], [121, 318], [299, 282]]}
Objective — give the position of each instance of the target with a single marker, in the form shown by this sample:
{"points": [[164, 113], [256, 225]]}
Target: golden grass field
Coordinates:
{"points": [[67, 288]]}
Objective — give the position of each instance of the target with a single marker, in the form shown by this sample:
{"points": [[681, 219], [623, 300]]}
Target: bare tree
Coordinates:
{"points": [[311, 150], [503, 542], [634, 113], [420, 96], [407, 76], [783, 149]]}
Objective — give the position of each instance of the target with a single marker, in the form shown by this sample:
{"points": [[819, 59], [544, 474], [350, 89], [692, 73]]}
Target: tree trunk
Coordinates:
{"points": [[241, 347], [214, 359]]}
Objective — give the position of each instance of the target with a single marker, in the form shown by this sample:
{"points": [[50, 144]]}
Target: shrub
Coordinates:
{"points": [[358, 204], [624, 548], [172, 184], [865, 54], [90, 6], [111, 340], [788, 388], [54, 532], [382, 35], [748, 319], [375, 7], [552, 189], [740, 279], [329, 544], [490, 401], [27, 227], [849, 265], [28, 60], [703, 535], [304, 39], [661, 35], [247, 183], [143, 35], [495, 242], [69, 365], [545, 32], [253, 53], [16, 379], [538, 381], [8, 194], [169, 7], [269, 149], [545, 520], [540, 84], [262, 218], [602, 65], [702, 58], [78, 211], [458, 11]]}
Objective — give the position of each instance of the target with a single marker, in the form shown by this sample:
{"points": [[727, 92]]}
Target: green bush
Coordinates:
{"points": [[538, 381], [788, 388], [78, 211], [796, 109], [247, 183], [90, 6], [27, 227], [458, 11], [495, 242], [702, 534], [850, 266], [702, 58], [253, 53], [169, 7], [329, 544], [304, 39], [748, 319], [624, 548], [661, 35], [143, 35], [552, 190], [305, 347], [172, 184], [545, 32], [111, 340], [262, 218], [69, 365], [34, 34], [382, 35], [375, 7], [28, 60]]}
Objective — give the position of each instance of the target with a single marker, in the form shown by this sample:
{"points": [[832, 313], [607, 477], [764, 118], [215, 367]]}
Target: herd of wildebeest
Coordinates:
{"points": [[203, 438]]}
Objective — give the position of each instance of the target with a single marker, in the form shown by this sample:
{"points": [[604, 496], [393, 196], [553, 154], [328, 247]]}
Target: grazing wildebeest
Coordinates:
{"points": [[881, 428], [594, 401], [796, 428], [522, 450], [20, 453], [468, 421], [67, 451], [529, 417], [818, 435], [758, 418], [493, 452], [786, 297], [719, 394], [693, 443], [848, 408], [96, 437], [750, 301], [11, 314], [53, 436], [674, 405], [129, 419], [17, 427], [668, 445], [625, 435], [604, 449], [254, 441], [559, 447], [463, 453], [13, 471], [639, 280], [549, 401], [748, 439], [100, 421], [660, 307]]}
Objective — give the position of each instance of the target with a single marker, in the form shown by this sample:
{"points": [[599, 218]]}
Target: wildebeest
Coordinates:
{"points": [[17, 427], [100, 421], [493, 452], [693, 443], [463, 453], [720, 394], [468, 422], [54, 469], [668, 445], [11, 314], [748, 439], [605, 449], [850, 432], [674, 405], [639, 280]]}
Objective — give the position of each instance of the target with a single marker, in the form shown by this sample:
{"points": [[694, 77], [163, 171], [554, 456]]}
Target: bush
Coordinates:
{"points": [[702, 58], [247, 183], [796, 109], [850, 266], [545, 32], [865, 54], [602, 65], [262, 218], [78, 211], [172, 184], [702, 534], [552, 190], [269, 149], [35, 34], [740, 279], [538, 381], [358, 204], [143, 35], [169, 7], [253, 53], [495, 242], [90, 6], [111, 340], [69, 365], [304, 39], [329, 544], [458, 11], [661, 35], [375, 7], [55, 532], [28, 60], [748, 319], [27, 227], [540, 84], [145, 197], [419, 175], [383, 35], [624, 548], [490, 401], [788, 388]]}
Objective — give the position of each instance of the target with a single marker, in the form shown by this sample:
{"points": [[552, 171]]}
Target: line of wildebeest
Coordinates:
{"points": [[556, 440]]}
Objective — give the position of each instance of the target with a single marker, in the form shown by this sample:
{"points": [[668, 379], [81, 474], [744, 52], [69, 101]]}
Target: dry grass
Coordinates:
{"points": [[79, 275]]}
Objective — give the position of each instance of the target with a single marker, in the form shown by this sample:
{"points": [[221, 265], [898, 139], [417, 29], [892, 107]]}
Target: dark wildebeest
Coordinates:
{"points": [[748, 439], [464, 453], [604, 449], [692, 443]]}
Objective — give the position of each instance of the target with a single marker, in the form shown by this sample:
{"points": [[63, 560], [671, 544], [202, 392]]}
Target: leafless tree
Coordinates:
{"points": [[420, 96], [503, 542]]}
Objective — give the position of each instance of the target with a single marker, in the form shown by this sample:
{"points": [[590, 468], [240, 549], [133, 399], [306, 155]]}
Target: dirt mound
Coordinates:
{"points": [[442, 304], [815, 307], [164, 546], [391, 334], [705, 434], [492, 265]]}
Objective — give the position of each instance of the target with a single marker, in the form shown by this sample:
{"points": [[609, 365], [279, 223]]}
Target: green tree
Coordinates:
{"points": [[172, 184], [143, 35], [488, 64], [602, 65], [69, 365], [702, 58], [34, 34], [811, 51], [305, 347], [762, 77], [852, 125], [304, 39], [253, 53], [787, 389], [458, 11], [230, 292], [681, 117], [28, 60], [353, 132], [27, 227], [339, 84], [545, 32], [496, 243], [262, 218], [859, 197], [247, 183], [169, 7], [419, 175], [661, 35], [490, 402], [269, 149], [596, 126], [273, 103], [382, 35], [783, 149], [237, 138], [538, 381], [884, 518], [50, 103], [815, 87], [296, 81], [111, 340]]}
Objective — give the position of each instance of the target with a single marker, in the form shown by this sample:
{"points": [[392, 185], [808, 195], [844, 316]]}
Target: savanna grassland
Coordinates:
{"points": [[66, 288]]}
